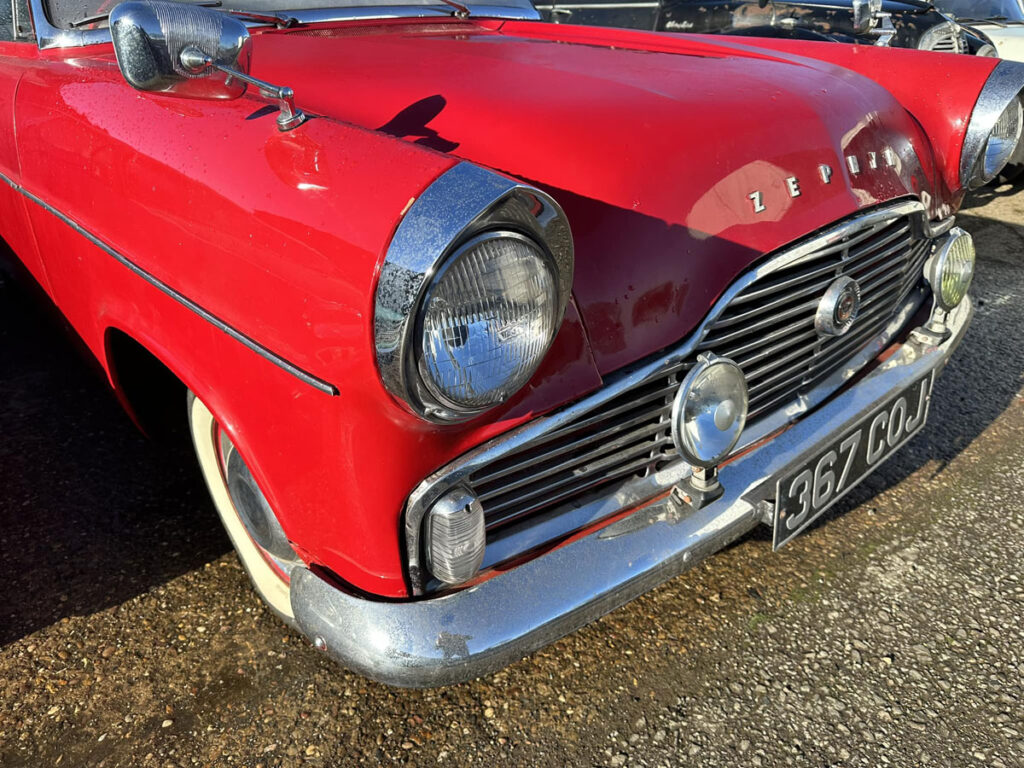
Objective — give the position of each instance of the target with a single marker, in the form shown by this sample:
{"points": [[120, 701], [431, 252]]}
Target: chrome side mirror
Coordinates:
{"points": [[159, 46], [188, 50]]}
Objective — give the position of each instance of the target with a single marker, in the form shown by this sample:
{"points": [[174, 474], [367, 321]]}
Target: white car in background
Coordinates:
{"points": [[1002, 21]]}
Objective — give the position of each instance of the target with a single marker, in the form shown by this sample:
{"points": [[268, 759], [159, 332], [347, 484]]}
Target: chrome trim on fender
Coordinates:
{"points": [[255, 346], [435, 485], [463, 635], [464, 201], [49, 36], [1004, 83]]}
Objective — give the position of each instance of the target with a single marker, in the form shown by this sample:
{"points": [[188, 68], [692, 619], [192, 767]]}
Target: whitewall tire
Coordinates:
{"points": [[268, 582]]}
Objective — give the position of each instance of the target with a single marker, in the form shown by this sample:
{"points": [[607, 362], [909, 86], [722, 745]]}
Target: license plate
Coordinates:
{"points": [[809, 489]]}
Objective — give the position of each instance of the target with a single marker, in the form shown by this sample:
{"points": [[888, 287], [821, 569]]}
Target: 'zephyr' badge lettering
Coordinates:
{"points": [[887, 158]]}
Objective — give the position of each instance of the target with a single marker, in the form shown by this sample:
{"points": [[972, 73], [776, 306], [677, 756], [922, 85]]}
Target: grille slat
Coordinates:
{"points": [[485, 483], [616, 410], [636, 457], [757, 374], [563, 495], [746, 360], [767, 327], [790, 283]]}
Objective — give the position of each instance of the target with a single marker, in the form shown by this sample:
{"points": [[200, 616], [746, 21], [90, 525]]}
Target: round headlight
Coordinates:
{"points": [[709, 411], [1002, 140], [987, 50], [951, 269], [487, 321]]}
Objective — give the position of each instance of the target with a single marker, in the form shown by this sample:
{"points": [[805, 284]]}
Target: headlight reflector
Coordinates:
{"points": [[487, 321], [709, 411], [1002, 140], [950, 270]]}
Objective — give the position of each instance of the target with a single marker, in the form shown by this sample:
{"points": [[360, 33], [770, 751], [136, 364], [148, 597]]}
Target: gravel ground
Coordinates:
{"points": [[890, 634]]}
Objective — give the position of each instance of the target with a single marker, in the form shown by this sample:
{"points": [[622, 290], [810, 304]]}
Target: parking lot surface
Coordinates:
{"points": [[892, 633]]}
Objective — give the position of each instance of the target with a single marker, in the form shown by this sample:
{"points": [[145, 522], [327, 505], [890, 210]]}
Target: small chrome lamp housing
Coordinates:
{"points": [[471, 294], [950, 270], [993, 135], [455, 537], [709, 411]]}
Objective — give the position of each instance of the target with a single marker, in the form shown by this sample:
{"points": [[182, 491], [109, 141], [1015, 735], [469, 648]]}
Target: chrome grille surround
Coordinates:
{"points": [[537, 483]]}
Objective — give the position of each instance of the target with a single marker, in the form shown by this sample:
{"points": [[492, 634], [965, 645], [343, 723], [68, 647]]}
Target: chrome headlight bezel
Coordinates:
{"points": [[1001, 90], [464, 203]]}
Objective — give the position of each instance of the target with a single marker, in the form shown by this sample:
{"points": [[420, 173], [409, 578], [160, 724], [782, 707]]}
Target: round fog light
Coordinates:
{"points": [[455, 537], [710, 411], [951, 268]]}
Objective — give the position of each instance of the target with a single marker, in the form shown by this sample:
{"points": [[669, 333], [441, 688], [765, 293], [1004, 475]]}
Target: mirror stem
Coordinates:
{"points": [[195, 60]]}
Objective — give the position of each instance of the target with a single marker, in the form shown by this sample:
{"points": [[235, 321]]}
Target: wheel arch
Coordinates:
{"points": [[151, 392]]}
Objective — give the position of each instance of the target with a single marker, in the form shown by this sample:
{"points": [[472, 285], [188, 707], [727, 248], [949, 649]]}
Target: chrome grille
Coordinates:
{"points": [[767, 327], [630, 435]]}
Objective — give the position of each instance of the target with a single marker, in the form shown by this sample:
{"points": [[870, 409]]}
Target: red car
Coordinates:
{"points": [[486, 326]]}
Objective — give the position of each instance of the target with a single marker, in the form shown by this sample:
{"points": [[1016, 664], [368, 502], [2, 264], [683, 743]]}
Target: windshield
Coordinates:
{"points": [[65, 14], [1008, 10]]}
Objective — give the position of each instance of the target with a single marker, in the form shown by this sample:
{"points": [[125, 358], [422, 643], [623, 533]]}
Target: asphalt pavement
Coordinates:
{"points": [[891, 633]]}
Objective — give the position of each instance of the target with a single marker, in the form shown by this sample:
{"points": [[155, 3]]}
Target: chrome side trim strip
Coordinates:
{"points": [[186, 302], [463, 635], [432, 487], [49, 36]]}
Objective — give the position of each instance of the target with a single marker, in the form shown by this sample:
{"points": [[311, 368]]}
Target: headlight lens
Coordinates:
{"points": [[1003, 140], [710, 411], [487, 321], [951, 269]]}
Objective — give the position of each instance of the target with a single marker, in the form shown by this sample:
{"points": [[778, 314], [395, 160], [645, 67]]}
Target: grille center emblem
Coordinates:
{"points": [[838, 307]]}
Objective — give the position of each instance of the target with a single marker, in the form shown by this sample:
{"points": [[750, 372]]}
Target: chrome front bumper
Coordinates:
{"points": [[463, 635]]}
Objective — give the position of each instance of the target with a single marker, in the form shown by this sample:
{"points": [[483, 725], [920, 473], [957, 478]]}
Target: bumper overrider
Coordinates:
{"points": [[463, 635]]}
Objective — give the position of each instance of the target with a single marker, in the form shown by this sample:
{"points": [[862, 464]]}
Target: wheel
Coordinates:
{"points": [[266, 565]]}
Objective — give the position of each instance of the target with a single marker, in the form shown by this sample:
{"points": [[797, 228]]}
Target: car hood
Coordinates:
{"points": [[670, 156], [998, 33]]}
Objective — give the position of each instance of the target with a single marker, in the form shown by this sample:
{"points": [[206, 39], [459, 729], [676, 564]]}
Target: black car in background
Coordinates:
{"points": [[898, 23]]}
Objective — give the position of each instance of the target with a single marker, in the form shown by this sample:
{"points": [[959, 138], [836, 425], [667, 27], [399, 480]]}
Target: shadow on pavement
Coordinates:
{"points": [[92, 513]]}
